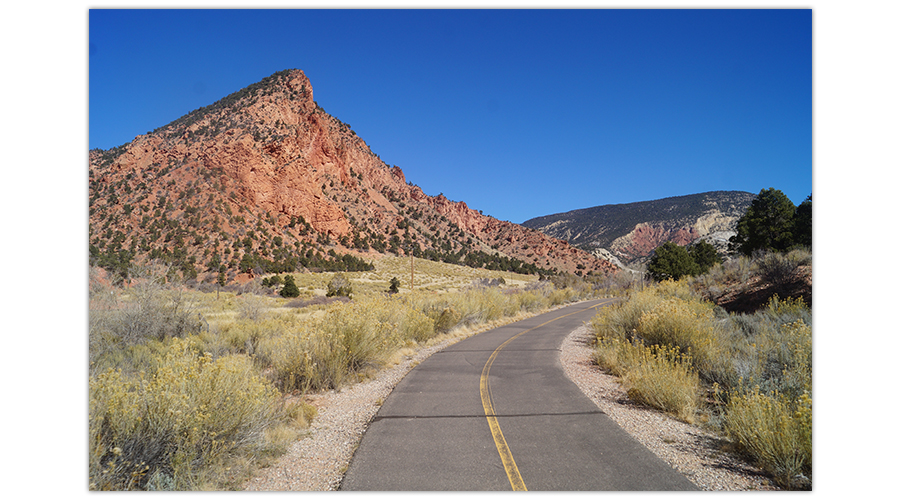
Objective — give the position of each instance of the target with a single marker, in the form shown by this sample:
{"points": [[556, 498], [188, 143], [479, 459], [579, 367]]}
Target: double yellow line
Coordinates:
{"points": [[509, 463]]}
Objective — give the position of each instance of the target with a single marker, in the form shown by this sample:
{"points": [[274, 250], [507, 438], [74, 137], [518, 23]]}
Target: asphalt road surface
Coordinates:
{"points": [[496, 412]]}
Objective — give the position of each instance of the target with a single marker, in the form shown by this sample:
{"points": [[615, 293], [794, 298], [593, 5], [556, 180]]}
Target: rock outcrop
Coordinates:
{"points": [[630, 232], [267, 172]]}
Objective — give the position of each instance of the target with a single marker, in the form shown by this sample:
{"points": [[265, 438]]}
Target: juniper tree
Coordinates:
{"points": [[671, 261], [290, 288], [768, 224], [395, 285], [705, 255]]}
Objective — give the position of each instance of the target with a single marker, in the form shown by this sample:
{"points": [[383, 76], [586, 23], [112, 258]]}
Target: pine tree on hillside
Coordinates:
{"points": [[768, 224]]}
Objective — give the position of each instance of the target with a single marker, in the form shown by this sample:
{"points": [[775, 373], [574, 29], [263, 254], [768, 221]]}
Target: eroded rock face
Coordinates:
{"points": [[631, 232], [268, 156], [647, 237]]}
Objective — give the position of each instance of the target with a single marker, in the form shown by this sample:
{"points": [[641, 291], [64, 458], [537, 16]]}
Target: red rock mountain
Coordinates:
{"points": [[266, 180]]}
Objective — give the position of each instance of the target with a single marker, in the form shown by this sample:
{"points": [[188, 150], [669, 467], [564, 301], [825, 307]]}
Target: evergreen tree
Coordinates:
{"points": [[803, 223], [671, 261], [395, 285], [768, 224], [290, 288], [705, 255]]}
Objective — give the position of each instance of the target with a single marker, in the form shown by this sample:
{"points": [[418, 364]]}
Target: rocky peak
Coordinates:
{"points": [[268, 162]]}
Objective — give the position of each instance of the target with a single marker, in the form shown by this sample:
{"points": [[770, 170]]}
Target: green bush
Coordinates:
{"points": [[705, 255], [671, 261], [290, 287]]}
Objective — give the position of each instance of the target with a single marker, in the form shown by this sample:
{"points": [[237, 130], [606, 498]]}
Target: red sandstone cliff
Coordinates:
{"points": [[266, 171]]}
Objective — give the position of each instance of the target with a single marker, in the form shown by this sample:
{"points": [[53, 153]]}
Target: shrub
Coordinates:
{"points": [[444, 316], [779, 269], [705, 255], [346, 341], [776, 432], [339, 286], [671, 261], [622, 320], [251, 306], [770, 351], [658, 376], [531, 301], [677, 322], [290, 287], [415, 325], [691, 325], [274, 281], [172, 424], [150, 309]]}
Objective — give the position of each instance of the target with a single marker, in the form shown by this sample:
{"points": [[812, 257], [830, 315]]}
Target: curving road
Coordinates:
{"points": [[496, 412]]}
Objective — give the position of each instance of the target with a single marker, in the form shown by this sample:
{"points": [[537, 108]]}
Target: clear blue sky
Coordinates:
{"points": [[519, 113]]}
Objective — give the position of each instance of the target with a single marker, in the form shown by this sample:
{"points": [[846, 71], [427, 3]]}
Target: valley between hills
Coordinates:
{"points": [[265, 183]]}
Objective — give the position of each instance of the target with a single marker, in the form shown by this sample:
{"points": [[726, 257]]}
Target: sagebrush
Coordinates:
{"points": [[758, 366]]}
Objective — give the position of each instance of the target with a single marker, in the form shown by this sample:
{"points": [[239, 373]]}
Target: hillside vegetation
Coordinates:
{"points": [[265, 181], [600, 226]]}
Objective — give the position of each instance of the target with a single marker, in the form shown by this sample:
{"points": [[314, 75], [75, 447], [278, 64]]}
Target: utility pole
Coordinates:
{"points": [[412, 272]]}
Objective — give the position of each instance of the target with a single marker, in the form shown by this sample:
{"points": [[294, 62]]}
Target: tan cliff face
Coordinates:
{"points": [[267, 171], [631, 232]]}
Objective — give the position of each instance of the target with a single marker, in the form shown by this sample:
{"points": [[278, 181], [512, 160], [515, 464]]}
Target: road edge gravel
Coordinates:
{"points": [[318, 461]]}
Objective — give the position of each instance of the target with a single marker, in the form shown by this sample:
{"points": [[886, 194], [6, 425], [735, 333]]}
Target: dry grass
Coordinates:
{"points": [[428, 276], [168, 427], [199, 408], [658, 376], [776, 431], [759, 366]]}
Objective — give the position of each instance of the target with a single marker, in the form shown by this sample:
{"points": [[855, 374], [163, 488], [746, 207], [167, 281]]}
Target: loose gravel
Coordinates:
{"points": [[318, 461], [689, 449]]}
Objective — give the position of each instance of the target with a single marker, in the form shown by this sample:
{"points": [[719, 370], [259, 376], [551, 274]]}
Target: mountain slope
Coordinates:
{"points": [[632, 231], [264, 180]]}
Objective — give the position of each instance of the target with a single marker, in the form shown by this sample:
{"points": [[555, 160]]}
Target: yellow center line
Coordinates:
{"points": [[509, 463]]}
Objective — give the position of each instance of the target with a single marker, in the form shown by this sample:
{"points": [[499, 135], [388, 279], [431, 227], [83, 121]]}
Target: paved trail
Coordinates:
{"points": [[496, 412]]}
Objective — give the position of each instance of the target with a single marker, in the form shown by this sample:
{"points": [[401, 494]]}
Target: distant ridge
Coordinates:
{"points": [[630, 231]]}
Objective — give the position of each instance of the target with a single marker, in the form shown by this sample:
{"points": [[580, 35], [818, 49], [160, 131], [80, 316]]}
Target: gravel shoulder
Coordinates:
{"points": [[318, 461], [689, 449]]}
